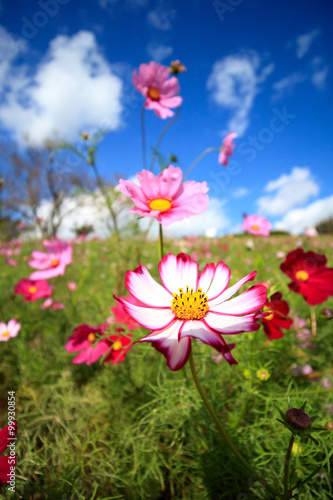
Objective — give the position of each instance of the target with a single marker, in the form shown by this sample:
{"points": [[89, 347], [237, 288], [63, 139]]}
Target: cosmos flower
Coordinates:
{"points": [[53, 263], [85, 339], [165, 197], [119, 347], [8, 461], [33, 289], [309, 274], [255, 224], [278, 317], [227, 149], [191, 305], [160, 91], [10, 330]]}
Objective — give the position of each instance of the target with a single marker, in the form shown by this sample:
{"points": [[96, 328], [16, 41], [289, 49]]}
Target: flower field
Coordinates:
{"points": [[102, 417]]}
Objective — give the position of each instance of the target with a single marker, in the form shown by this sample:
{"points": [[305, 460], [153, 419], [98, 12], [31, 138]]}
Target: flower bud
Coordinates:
{"points": [[298, 419], [176, 67]]}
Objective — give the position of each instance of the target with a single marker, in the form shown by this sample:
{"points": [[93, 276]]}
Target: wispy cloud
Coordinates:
{"points": [[298, 219], [71, 89], [159, 52], [320, 72], [234, 82], [240, 192], [287, 192], [161, 17], [286, 85], [304, 42]]}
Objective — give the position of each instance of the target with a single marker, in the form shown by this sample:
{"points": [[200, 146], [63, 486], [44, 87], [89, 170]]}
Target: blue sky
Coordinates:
{"points": [[261, 69]]}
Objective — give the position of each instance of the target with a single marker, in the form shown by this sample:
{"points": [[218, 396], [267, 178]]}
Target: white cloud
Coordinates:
{"points": [[234, 82], [304, 42], [298, 219], [320, 72], [286, 85], [240, 192], [73, 88], [287, 192], [159, 52], [161, 18]]}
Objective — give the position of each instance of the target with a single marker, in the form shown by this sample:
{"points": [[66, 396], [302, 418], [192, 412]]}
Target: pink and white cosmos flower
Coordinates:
{"points": [[160, 91], [255, 224], [227, 149], [53, 263], [165, 197], [191, 305], [10, 330]]}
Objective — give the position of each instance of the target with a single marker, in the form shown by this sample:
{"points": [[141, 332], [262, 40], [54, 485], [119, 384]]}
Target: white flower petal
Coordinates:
{"points": [[227, 324], [150, 318], [144, 288], [178, 272], [248, 302], [231, 290], [214, 280]]}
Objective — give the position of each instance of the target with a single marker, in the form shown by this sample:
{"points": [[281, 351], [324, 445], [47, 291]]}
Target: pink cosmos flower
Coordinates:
{"points": [[255, 224], [32, 289], [191, 305], [160, 91], [53, 263], [164, 196], [85, 339], [7, 462], [10, 330], [11, 262], [227, 148]]}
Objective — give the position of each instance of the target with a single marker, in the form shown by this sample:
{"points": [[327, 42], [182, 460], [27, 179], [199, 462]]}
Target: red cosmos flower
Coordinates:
{"points": [[310, 276], [84, 339], [278, 317], [8, 461], [119, 347], [33, 290]]}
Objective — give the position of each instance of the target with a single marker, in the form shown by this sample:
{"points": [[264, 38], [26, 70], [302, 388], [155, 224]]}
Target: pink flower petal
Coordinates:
{"points": [[152, 319], [148, 183], [227, 324], [169, 181], [143, 287], [178, 272], [249, 301]]}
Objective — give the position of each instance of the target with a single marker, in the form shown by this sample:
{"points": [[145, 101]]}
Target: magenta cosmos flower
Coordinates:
{"points": [[160, 91], [53, 263], [227, 149], [85, 338], [191, 305], [10, 330], [255, 224], [165, 197], [33, 289]]}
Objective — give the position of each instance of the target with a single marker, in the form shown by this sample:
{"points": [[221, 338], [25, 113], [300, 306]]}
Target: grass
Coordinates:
{"points": [[138, 430]]}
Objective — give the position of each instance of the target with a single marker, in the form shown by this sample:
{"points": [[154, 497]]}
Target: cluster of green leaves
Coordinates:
{"points": [[138, 430]]}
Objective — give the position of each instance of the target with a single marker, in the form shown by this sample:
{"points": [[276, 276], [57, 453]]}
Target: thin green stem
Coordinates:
{"points": [[199, 158], [160, 243], [143, 137], [223, 432], [286, 468], [161, 137]]}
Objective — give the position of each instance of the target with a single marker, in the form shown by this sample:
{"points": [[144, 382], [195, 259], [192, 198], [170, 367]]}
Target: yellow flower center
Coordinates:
{"points": [[255, 227], [117, 345], [189, 304], [32, 289], [161, 204], [91, 337], [54, 262], [270, 316], [153, 94], [5, 334], [302, 275]]}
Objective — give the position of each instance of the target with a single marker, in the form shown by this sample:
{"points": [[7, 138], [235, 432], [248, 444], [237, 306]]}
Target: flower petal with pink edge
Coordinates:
{"points": [[143, 287], [213, 280], [249, 301], [231, 290], [178, 272], [199, 330], [14, 327], [152, 319], [169, 181], [227, 324]]}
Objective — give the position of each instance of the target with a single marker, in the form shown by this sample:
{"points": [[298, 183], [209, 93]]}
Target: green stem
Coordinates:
{"points": [[143, 137], [223, 432], [161, 137], [286, 468], [160, 243], [199, 158]]}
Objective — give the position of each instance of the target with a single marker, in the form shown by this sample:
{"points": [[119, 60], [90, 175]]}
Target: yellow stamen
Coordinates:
{"points": [[302, 275], [270, 316], [189, 304], [153, 94], [54, 262], [32, 289], [91, 337], [5, 334], [117, 345], [255, 228], [161, 204]]}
